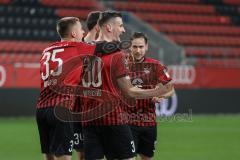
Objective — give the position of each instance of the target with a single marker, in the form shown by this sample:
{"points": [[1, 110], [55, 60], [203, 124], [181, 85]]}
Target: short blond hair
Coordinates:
{"points": [[65, 24]]}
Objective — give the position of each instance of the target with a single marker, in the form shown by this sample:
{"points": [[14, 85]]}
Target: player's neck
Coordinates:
{"points": [[69, 40], [139, 61], [90, 36], [104, 37]]}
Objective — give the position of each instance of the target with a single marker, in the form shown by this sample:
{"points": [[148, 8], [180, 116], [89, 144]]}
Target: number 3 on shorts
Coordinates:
{"points": [[133, 147]]}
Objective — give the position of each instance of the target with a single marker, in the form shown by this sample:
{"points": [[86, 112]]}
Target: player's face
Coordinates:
{"points": [[77, 32], [117, 28], [138, 49]]}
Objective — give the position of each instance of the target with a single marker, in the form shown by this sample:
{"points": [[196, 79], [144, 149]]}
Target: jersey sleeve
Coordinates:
{"points": [[164, 77], [119, 65]]}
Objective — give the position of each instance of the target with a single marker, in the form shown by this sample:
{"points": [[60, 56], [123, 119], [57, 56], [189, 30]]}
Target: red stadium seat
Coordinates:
{"points": [[73, 12], [5, 1], [232, 2], [7, 58], [165, 7], [198, 29], [22, 46], [71, 3], [218, 62], [190, 19], [190, 40], [172, 1], [212, 51]]}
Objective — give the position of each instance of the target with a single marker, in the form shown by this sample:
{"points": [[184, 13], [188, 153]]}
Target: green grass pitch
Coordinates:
{"points": [[212, 137]]}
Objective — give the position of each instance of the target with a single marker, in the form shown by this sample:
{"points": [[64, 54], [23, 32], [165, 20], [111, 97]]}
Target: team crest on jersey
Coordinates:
{"points": [[146, 70], [138, 82]]}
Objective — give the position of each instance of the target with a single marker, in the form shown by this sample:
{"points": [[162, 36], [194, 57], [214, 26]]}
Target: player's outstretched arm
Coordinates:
{"points": [[131, 91], [105, 48]]}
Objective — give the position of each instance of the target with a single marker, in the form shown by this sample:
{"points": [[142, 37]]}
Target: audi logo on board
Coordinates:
{"points": [[182, 74]]}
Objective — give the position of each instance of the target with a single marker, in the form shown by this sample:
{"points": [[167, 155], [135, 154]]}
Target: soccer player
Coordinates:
{"points": [[56, 136], [144, 73], [108, 134], [93, 30], [92, 26]]}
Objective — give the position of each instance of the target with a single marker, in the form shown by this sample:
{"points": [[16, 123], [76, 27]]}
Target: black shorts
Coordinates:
{"points": [[56, 136], [115, 142], [78, 136], [145, 139]]}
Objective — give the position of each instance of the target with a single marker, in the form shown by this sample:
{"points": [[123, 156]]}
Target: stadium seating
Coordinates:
{"points": [[190, 19], [198, 29], [8, 58], [24, 22], [232, 2], [72, 7], [218, 62], [28, 26], [212, 52], [5, 1], [164, 1], [205, 28], [85, 4], [72, 12], [22, 46], [165, 7], [206, 40]]}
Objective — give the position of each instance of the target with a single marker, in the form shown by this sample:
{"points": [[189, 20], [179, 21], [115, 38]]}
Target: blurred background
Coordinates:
{"points": [[199, 41]]}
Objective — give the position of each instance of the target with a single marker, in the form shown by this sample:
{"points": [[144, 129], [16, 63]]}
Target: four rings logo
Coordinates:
{"points": [[182, 74]]}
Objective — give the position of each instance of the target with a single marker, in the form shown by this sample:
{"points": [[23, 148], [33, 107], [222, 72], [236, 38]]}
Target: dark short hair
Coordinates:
{"points": [[107, 15], [65, 24], [139, 35], [92, 19]]}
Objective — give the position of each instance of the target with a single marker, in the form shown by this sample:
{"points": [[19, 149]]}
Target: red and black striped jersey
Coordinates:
{"points": [[145, 75], [60, 65], [101, 104]]}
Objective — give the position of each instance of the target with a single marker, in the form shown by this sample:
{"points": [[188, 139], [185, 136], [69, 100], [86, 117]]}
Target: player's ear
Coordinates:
{"points": [[108, 27], [73, 34], [97, 28], [131, 47], [147, 47]]}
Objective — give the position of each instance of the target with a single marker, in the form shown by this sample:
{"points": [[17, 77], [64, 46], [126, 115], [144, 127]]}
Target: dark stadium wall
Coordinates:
{"points": [[209, 100], [22, 102], [18, 102], [201, 101]]}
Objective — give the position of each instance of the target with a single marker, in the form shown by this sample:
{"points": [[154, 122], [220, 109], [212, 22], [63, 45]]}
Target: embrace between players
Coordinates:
{"points": [[115, 97]]}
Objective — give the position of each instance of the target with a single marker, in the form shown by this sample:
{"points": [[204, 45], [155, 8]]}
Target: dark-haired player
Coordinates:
{"points": [[92, 35], [144, 73], [92, 26], [107, 133]]}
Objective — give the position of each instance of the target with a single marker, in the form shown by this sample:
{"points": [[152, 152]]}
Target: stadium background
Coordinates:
{"points": [[199, 40]]}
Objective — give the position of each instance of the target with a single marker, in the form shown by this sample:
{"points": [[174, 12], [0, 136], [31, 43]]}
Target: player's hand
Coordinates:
{"points": [[163, 89], [157, 99]]}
